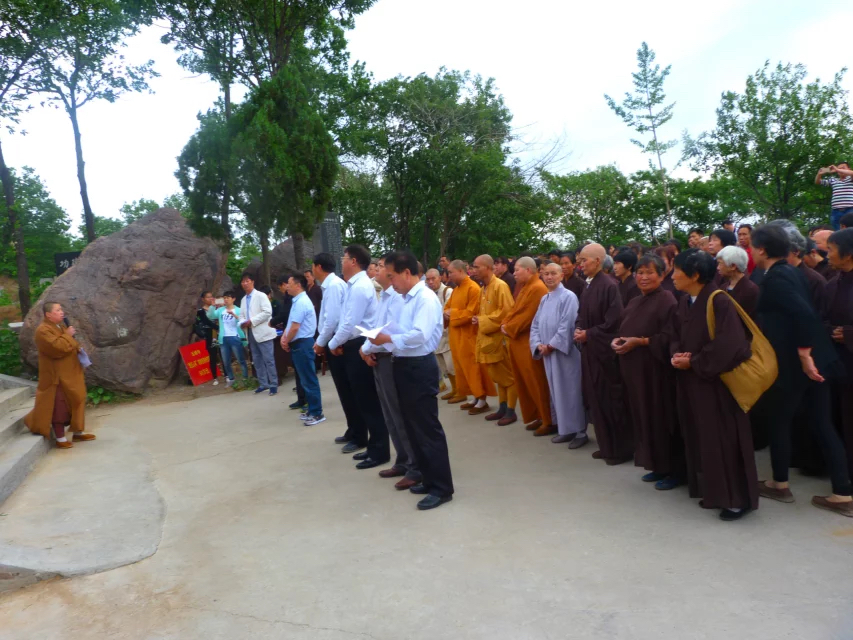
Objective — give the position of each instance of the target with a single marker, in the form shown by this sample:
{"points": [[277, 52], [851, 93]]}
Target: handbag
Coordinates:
{"points": [[750, 379]]}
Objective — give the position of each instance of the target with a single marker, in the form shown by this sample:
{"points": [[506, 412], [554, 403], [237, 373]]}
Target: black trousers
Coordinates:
{"points": [[356, 430], [782, 408], [365, 421], [416, 380]]}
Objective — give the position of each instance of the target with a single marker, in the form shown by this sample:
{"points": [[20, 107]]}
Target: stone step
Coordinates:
{"points": [[12, 423], [17, 458], [13, 398]]}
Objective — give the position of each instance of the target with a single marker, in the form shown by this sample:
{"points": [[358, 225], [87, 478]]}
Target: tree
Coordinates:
{"points": [[286, 162], [45, 227], [643, 112], [102, 225], [772, 139], [591, 204], [131, 212], [83, 64]]}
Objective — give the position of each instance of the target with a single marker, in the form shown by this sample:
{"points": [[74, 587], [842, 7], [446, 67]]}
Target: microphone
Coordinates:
{"points": [[66, 321]]}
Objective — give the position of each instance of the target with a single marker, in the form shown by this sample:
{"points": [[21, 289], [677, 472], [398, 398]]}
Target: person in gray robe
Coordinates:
{"points": [[551, 340]]}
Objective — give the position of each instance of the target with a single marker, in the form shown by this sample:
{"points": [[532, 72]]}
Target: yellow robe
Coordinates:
{"points": [[530, 379], [495, 303], [58, 366], [471, 378]]}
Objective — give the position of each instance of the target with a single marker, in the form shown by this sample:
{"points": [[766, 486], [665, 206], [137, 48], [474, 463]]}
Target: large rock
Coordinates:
{"points": [[282, 260], [133, 297]]}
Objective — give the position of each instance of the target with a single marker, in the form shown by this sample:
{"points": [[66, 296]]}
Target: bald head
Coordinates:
{"points": [[484, 268], [591, 259], [457, 271], [820, 238], [485, 260], [552, 275], [525, 270], [433, 279]]}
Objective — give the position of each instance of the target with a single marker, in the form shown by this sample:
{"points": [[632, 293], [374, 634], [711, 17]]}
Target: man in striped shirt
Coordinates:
{"points": [[842, 190]]}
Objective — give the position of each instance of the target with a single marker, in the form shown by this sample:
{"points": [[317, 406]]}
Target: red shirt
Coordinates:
{"points": [[750, 266]]}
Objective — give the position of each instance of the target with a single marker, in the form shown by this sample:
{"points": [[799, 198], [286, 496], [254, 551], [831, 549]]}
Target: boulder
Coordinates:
{"points": [[281, 259], [133, 297]]}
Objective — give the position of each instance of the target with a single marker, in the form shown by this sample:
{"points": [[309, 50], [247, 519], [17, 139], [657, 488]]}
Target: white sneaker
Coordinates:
{"points": [[228, 382], [215, 382], [315, 420], [305, 416]]}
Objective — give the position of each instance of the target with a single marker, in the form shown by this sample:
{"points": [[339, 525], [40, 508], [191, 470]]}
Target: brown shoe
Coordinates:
{"points": [[841, 508], [780, 495], [497, 415], [467, 405], [545, 431], [508, 419], [405, 483], [475, 411], [393, 472], [83, 437], [457, 399], [448, 395], [612, 462], [64, 445], [533, 426], [596, 455]]}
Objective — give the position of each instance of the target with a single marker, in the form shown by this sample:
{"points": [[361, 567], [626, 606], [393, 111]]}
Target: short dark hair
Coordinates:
{"points": [[284, 277], [627, 258], [205, 292], [300, 278], [775, 240], [701, 232], [844, 241], [727, 238], [399, 261], [728, 221], [571, 255], [247, 274], [265, 289], [654, 260], [325, 261], [48, 306], [745, 226], [360, 254], [502, 260], [229, 294], [555, 252], [307, 271], [846, 220], [674, 242], [696, 261]]}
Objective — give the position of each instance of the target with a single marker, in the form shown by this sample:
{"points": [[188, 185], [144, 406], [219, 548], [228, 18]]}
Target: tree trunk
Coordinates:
{"points": [[81, 176], [298, 241], [17, 230], [265, 262], [425, 259], [226, 191]]}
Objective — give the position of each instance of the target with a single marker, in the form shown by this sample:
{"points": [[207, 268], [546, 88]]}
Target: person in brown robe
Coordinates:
{"points": [[732, 264], [717, 438], [644, 359], [623, 268], [534, 395], [604, 396], [839, 322], [667, 253], [60, 374], [571, 280], [502, 271]]}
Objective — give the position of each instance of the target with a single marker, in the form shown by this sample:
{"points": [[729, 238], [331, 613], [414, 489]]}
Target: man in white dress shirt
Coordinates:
{"points": [[256, 311], [365, 420], [413, 341]]}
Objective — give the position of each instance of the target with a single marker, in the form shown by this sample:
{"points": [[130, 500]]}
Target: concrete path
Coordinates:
{"points": [[271, 533]]}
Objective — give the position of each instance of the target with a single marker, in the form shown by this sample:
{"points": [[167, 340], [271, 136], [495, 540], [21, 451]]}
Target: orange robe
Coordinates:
{"points": [[59, 367], [471, 378], [530, 379]]}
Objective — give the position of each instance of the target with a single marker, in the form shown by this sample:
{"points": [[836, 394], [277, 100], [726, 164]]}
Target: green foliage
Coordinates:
{"points": [[38, 289], [10, 353], [131, 212], [771, 139], [98, 395]]}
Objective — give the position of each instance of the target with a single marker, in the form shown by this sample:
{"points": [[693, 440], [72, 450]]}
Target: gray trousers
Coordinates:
{"points": [[383, 374], [263, 359]]}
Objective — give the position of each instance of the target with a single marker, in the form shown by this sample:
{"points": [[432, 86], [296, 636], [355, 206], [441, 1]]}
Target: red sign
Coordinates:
{"points": [[197, 360]]}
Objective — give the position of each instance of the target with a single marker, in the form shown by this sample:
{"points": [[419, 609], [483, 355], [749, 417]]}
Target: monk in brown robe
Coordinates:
{"points": [[571, 281], [495, 303], [717, 437], [471, 378], [534, 394], [644, 359], [623, 269], [604, 395], [61, 392], [732, 265]]}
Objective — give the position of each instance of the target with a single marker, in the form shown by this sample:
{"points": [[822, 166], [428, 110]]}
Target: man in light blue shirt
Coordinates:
{"points": [[380, 359], [412, 339], [298, 338], [357, 389]]}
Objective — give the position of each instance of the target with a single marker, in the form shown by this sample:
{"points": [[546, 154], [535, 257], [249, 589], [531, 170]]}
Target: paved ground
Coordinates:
{"points": [[271, 533]]}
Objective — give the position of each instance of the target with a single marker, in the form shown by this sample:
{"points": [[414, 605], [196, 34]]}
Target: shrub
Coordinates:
{"points": [[10, 353]]}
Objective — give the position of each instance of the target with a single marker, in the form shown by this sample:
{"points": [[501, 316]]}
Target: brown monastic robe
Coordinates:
{"points": [[746, 293], [650, 383], [839, 313], [531, 382], [669, 285], [574, 284], [717, 437], [817, 287], [58, 366], [604, 396], [471, 378], [628, 290]]}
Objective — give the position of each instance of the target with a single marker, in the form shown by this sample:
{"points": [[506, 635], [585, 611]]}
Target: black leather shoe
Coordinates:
{"points": [[341, 440], [431, 502], [419, 489], [368, 463], [727, 515], [352, 447], [360, 456]]}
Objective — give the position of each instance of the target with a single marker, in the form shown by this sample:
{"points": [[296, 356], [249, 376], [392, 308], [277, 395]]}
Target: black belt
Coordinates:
{"points": [[379, 356]]}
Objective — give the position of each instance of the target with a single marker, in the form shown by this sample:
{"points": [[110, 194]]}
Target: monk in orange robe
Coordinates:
{"points": [[495, 304], [471, 378], [530, 379]]}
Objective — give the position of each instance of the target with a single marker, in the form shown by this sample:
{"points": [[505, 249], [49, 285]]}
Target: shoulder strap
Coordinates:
{"points": [[709, 313], [744, 316]]}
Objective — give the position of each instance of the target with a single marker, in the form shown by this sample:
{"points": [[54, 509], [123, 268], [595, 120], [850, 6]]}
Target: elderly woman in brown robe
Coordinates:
{"points": [[720, 460], [61, 392], [732, 263], [644, 359]]}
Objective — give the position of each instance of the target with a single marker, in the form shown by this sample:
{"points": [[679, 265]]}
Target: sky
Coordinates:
{"points": [[552, 60]]}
